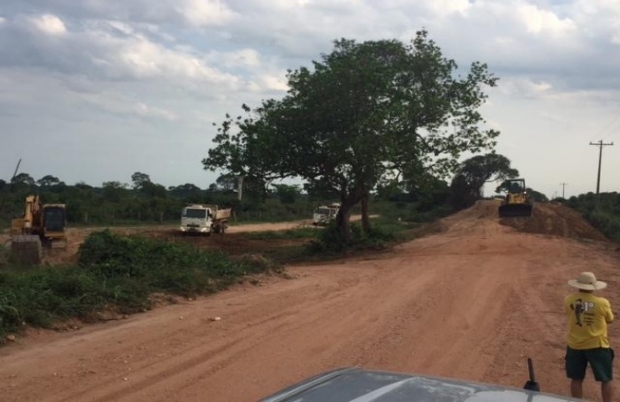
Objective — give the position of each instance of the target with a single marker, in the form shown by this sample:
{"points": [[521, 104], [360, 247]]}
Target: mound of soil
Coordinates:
{"points": [[555, 220]]}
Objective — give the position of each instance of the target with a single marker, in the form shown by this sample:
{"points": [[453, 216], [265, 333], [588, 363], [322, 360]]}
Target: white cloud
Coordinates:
{"points": [[233, 59], [273, 83], [544, 22], [146, 110], [446, 8], [205, 12], [49, 24], [136, 71]]}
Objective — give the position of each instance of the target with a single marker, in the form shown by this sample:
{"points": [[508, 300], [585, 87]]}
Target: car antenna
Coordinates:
{"points": [[531, 384]]}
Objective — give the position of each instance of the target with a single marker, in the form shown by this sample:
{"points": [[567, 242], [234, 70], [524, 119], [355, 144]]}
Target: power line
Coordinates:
{"points": [[609, 127], [600, 144]]}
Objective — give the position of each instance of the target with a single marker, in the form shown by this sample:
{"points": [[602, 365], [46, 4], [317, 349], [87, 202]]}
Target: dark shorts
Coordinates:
{"points": [[600, 360]]}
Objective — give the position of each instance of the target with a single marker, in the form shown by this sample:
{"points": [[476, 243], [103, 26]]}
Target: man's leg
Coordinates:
{"points": [[576, 364], [607, 391], [576, 388], [601, 361]]}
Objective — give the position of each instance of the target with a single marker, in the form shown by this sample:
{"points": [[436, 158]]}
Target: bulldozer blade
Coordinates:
{"points": [[515, 210]]}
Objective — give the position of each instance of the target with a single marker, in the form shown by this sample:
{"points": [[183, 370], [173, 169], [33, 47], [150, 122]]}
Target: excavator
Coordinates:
{"points": [[41, 226], [517, 202]]}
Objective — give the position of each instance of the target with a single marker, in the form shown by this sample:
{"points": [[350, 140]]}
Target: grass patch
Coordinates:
{"points": [[300, 233], [117, 273], [384, 233]]}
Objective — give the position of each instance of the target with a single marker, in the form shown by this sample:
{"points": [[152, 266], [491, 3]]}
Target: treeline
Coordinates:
{"points": [[602, 211], [144, 201]]}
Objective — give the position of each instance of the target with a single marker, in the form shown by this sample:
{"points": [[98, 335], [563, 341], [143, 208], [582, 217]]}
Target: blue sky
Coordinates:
{"points": [[96, 90]]}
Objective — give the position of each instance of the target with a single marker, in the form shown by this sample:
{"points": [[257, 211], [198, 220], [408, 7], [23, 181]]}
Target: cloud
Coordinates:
{"points": [[544, 22], [143, 72], [194, 13], [205, 12], [106, 50], [49, 24]]}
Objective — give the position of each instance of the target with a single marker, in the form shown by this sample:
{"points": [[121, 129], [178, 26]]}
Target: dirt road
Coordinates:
{"points": [[472, 302]]}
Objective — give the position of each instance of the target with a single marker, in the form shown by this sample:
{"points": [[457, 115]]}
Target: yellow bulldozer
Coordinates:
{"points": [[517, 202], [42, 226]]}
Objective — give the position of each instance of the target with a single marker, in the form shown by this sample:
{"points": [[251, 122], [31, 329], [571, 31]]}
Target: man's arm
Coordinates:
{"points": [[609, 314]]}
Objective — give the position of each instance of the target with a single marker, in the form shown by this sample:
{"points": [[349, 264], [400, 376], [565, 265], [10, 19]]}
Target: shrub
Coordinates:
{"points": [[118, 273], [330, 240]]}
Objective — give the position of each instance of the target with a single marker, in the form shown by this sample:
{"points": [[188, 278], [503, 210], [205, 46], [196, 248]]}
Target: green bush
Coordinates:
{"points": [[330, 240], [601, 210], [606, 222], [162, 266], [118, 273], [4, 256]]}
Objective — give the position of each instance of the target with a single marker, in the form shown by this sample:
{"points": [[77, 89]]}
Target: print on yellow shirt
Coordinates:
{"points": [[589, 316]]}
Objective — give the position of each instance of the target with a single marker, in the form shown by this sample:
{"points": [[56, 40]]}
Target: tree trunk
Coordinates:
{"points": [[342, 222], [365, 217], [344, 216]]}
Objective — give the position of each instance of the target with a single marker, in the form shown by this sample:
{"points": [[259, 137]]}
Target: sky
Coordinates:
{"points": [[95, 90]]}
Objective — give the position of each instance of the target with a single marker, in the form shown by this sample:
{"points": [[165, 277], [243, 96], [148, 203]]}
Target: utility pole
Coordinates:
{"points": [[563, 185], [600, 144]]}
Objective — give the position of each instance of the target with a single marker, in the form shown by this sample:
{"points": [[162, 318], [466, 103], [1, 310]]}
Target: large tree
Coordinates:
{"points": [[23, 179], [474, 172], [140, 180], [365, 112], [48, 181]]}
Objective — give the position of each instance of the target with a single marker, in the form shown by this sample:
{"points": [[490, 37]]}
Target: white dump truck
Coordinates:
{"points": [[204, 219], [325, 214]]}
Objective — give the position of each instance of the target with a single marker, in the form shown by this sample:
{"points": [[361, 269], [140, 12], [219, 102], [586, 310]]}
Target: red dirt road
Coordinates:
{"points": [[472, 302]]}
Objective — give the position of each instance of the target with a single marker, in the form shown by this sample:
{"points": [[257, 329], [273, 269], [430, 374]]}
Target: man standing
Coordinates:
{"points": [[588, 342]]}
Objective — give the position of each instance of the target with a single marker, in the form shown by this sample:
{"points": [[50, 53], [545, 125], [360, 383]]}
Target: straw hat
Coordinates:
{"points": [[587, 281]]}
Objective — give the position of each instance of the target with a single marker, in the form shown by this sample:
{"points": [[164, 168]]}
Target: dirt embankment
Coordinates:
{"points": [[471, 302], [555, 220], [549, 219]]}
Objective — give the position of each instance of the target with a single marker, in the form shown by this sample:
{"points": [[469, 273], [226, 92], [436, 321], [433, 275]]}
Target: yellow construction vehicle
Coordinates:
{"points": [[41, 226], [517, 202]]}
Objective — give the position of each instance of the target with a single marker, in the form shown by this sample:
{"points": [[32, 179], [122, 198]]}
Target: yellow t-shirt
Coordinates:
{"points": [[588, 316]]}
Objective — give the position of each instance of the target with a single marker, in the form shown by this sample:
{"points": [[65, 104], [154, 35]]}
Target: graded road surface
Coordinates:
{"points": [[472, 301]]}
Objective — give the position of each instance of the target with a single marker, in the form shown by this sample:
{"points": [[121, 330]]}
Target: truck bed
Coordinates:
{"points": [[222, 214]]}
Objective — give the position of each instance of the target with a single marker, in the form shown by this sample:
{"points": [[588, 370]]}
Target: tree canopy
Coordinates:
{"points": [[474, 172], [366, 113]]}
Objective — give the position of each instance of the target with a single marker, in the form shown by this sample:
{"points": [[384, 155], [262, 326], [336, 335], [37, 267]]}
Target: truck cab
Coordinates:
{"points": [[204, 219], [324, 214]]}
